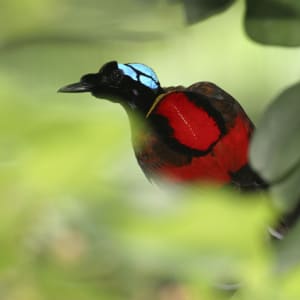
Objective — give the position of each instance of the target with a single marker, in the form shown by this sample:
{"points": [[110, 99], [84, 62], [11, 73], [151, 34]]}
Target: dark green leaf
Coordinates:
{"points": [[197, 10], [275, 150], [273, 22]]}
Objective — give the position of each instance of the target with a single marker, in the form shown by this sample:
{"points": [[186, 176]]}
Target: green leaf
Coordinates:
{"points": [[273, 22], [197, 10], [275, 149], [288, 254]]}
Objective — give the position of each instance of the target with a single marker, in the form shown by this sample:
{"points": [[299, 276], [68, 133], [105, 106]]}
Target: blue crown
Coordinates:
{"points": [[141, 73]]}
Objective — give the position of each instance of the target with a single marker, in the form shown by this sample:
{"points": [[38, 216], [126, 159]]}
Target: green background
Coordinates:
{"points": [[78, 219]]}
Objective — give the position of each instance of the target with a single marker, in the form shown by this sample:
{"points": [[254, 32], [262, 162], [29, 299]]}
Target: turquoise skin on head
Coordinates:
{"points": [[141, 73]]}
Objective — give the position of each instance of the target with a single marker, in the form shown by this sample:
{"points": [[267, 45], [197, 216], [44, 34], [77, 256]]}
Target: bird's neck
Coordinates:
{"points": [[137, 107], [139, 100]]}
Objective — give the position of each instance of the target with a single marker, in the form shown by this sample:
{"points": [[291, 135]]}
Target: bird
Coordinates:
{"points": [[188, 135]]}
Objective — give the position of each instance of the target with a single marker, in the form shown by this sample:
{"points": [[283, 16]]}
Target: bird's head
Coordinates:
{"points": [[133, 85]]}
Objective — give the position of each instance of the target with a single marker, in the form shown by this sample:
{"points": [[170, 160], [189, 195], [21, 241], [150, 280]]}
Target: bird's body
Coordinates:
{"points": [[194, 134]]}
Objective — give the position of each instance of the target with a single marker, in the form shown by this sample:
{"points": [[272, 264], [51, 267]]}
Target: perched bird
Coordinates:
{"points": [[192, 134]]}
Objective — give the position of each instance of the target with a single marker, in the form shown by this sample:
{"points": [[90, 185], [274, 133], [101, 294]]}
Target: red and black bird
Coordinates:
{"points": [[192, 134]]}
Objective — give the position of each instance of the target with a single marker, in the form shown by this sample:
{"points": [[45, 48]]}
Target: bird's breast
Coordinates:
{"points": [[159, 159]]}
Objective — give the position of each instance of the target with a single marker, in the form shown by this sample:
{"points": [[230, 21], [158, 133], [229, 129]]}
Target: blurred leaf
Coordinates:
{"points": [[197, 10], [290, 282], [198, 235], [273, 22], [275, 149], [287, 193], [288, 254]]}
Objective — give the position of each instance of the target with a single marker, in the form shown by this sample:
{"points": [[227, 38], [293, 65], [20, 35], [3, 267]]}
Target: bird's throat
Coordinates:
{"points": [[156, 101]]}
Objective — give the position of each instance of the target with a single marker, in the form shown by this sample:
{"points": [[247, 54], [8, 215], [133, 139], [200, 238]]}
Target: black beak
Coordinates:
{"points": [[78, 87]]}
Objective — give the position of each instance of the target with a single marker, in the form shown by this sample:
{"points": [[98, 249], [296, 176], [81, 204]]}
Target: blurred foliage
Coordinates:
{"points": [[76, 21], [78, 220], [272, 22]]}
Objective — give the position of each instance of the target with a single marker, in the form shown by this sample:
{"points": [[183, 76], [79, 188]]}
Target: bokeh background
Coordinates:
{"points": [[78, 219]]}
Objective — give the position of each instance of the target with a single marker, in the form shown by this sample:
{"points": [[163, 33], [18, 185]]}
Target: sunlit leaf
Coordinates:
{"points": [[273, 22]]}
